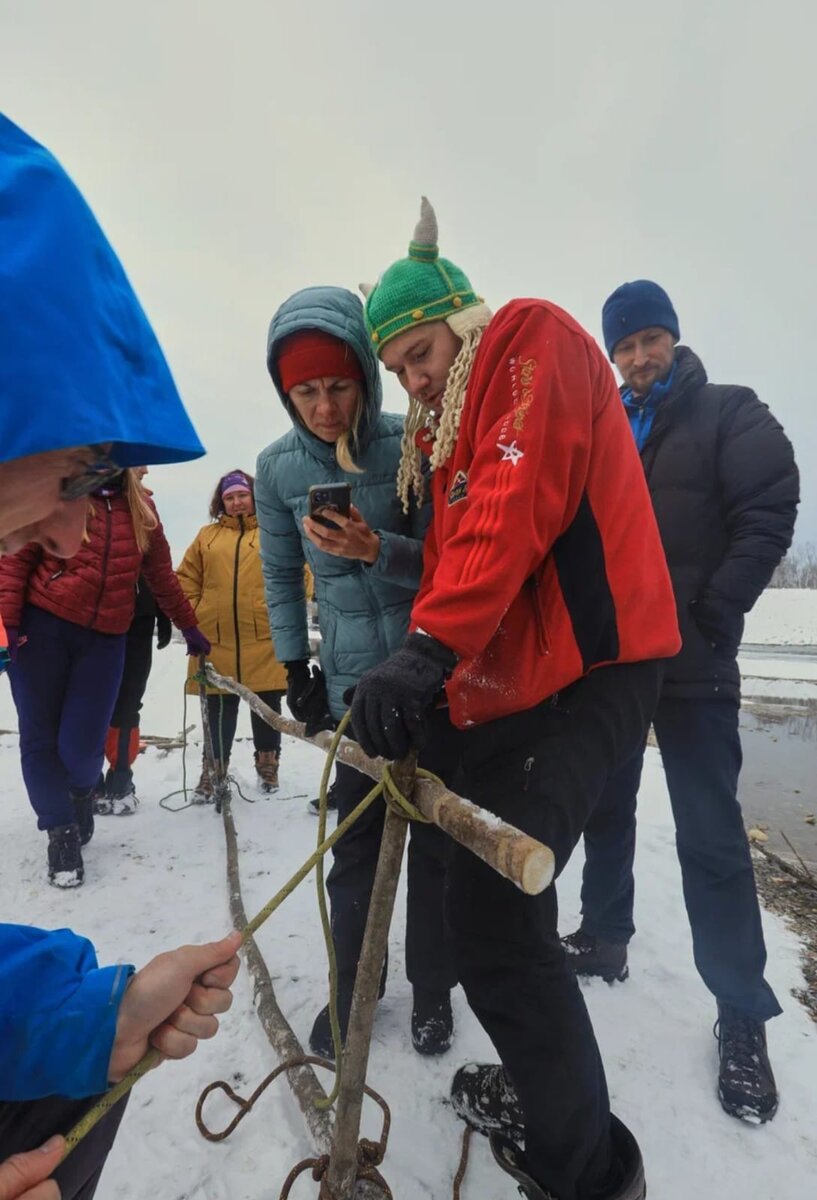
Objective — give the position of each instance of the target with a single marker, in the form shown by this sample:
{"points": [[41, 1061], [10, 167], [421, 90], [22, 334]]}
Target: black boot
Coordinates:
{"points": [[320, 1039], [102, 803], [83, 801], [65, 868], [588, 955], [746, 1085], [627, 1176], [331, 802], [483, 1095], [432, 1022]]}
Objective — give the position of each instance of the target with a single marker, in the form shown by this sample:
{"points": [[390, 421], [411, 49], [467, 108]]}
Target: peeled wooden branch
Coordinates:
{"points": [[513, 854]]}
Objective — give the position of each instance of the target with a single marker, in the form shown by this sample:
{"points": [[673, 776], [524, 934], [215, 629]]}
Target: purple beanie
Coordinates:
{"points": [[236, 481]]}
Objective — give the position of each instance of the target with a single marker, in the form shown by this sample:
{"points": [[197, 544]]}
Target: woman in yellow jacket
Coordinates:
{"points": [[221, 577]]}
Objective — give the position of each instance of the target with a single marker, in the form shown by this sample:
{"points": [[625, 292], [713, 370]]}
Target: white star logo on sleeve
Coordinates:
{"points": [[511, 454]]}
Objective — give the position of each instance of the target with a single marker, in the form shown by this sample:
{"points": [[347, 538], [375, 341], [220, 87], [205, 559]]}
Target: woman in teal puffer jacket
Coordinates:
{"points": [[366, 574]]}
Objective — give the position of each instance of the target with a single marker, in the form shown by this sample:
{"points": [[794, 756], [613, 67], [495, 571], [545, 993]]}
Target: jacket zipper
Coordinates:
{"points": [[105, 554], [541, 632], [235, 601]]}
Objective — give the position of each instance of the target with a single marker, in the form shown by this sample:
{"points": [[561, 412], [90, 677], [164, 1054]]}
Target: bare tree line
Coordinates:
{"points": [[798, 569]]}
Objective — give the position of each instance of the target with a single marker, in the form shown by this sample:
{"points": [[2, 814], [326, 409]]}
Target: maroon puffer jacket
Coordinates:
{"points": [[97, 587]]}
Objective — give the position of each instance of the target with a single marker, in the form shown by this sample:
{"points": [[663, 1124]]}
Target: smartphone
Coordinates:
{"points": [[328, 498]]}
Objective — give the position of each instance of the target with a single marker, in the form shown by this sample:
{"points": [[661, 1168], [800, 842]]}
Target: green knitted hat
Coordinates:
{"points": [[420, 288]]}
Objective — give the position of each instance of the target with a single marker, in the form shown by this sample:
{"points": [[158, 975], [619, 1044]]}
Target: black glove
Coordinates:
{"points": [[163, 630], [720, 621], [391, 702], [306, 696]]}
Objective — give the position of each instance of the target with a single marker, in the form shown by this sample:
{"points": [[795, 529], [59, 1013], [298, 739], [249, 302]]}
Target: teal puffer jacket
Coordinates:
{"points": [[363, 610]]}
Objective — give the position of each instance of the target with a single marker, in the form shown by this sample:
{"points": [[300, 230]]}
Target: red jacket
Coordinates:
{"points": [[97, 587], [543, 559]]}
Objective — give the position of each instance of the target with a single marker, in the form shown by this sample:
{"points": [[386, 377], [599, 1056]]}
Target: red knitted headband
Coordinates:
{"points": [[313, 354]]}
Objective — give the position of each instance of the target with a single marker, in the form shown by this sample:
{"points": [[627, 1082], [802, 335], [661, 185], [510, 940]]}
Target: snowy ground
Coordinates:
{"points": [[783, 617], [157, 879]]}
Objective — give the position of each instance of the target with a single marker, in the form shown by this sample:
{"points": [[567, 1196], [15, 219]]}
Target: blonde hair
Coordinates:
{"points": [[346, 444], [409, 473], [142, 513]]}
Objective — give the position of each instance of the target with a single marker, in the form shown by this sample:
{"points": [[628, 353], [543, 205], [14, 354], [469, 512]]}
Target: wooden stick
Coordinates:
{"points": [[343, 1160], [302, 1080], [522, 859]]}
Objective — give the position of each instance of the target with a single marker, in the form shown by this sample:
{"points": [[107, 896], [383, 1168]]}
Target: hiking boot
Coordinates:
{"points": [[746, 1085], [432, 1022], [320, 1039], [484, 1097], [83, 802], [65, 869], [205, 789], [627, 1177], [266, 766], [588, 955], [125, 804], [331, 802]]}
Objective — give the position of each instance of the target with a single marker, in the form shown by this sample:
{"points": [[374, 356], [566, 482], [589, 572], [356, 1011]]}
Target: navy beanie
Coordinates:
{"points": [[634, 306]]}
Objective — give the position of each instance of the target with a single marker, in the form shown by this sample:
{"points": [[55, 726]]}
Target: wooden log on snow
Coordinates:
{"points": [[513, 854]]}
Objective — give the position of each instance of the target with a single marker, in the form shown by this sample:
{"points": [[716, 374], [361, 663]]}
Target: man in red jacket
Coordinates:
{"points": [[544, 605]]}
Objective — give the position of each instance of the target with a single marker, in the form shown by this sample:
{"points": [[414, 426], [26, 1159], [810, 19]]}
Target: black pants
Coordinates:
{"points": [[223, 710], [700, 748], [350, 880], [125, 716], [26, 1124], [544, 770]]}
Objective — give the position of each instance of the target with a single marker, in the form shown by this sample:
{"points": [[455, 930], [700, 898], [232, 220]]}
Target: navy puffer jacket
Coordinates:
{"points": [[363, 610]]}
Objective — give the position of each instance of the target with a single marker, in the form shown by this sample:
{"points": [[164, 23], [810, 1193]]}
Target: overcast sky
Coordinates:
{"points": [[236, 152]]}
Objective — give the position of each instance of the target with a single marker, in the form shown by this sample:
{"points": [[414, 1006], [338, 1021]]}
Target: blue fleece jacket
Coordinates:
{"points": [[58, 1013], [641, 409]]}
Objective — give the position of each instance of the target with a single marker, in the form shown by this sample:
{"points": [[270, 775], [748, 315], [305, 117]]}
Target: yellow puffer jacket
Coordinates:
{"points": [[220, 575]]}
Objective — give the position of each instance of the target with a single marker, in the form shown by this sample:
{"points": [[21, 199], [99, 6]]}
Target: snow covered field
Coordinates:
{"points": [[783, 617], [157, 879]]}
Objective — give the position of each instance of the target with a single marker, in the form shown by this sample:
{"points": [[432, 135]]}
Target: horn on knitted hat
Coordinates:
{"points": [[421, 288]]}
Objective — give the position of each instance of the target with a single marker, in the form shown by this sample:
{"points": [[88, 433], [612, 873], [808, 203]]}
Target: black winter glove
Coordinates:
{"points": [[164, 630], [391, 702], [720, 621], [306, 696]]}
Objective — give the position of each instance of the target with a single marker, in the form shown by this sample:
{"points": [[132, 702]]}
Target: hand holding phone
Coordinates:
{"points": [[328, 498]]}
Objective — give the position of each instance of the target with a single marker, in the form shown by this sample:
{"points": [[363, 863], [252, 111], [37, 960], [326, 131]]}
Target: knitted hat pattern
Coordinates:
{"points": [[421, 288], [634, 306]]}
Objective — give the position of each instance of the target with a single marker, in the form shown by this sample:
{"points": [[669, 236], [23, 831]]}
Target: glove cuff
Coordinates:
{"points": [[436, 652]]}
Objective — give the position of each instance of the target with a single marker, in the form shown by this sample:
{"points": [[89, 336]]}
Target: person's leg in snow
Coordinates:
{"points": [[267, 743], [599, 946], [543, 770], [122, 744], [701, 752]]}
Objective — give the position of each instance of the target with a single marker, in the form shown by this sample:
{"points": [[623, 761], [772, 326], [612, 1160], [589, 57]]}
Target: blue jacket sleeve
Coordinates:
{"points": [[58, 1013], [282, 559], [400, 559]]}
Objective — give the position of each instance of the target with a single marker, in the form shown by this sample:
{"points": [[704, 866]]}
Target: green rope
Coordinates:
{"points": [[389, 790]]}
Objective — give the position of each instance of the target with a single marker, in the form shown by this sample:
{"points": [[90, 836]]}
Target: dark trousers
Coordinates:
{"points": [[700, 749], [544, 770], [223, 712], [125, 717], [64, 684], [350, 880], [26, 1124]]}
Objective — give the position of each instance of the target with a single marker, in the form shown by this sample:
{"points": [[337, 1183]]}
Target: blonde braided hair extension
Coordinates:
{"points": [[409, 473]]}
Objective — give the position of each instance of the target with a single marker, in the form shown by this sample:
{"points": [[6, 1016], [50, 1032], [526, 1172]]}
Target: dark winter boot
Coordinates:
{"points": [[100, 798], [120, 792], [331, 802], [746, 1085], [266, 766], [65, 869], [588, 955], [484, 1097], [432, 1022], [627, 1178], [83, 802], [320, 1039]]}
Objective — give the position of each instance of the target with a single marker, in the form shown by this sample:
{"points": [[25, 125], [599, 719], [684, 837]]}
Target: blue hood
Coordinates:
{"points": [[337, 311], [79, 362]]}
